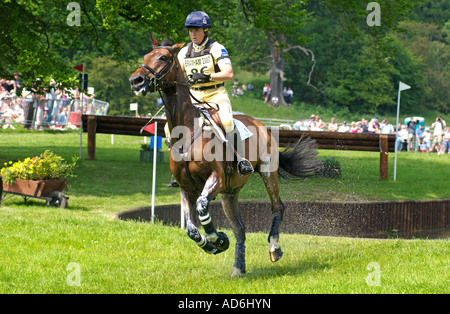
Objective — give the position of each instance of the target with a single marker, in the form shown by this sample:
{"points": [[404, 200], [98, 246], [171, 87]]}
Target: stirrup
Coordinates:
{"points": [[244, 167]]}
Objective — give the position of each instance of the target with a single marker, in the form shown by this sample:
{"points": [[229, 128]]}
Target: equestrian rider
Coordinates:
{"points": [[207, 65]]}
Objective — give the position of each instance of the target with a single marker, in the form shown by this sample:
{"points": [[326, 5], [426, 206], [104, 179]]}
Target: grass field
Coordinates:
{"points": [[47, 250]]}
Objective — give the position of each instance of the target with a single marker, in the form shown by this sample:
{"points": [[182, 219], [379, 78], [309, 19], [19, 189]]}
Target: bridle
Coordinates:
{"points": [[157, 79], [158, 76]]}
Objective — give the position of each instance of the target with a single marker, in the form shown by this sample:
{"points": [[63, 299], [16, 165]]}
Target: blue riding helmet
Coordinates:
{"points": [[198, 19]]}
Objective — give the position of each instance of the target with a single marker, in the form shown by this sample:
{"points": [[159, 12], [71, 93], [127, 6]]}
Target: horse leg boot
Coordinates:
{"points": [[191, 229], [210, 190]]}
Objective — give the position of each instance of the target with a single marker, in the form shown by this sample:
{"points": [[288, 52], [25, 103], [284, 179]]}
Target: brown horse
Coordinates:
{"points": [[204, 167]]}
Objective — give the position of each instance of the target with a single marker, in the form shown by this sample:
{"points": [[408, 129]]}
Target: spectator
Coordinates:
{"points": [[41, 113], [402, 139], [289, 94], [419, 136], [236, 83], [275, 101], [374, 125], [8, 114], [250, 87], [315, 127], [265, 89], [426, 139], [363, 124], [446, 141], [319, 123], [411, 134], [439, 126], [344, 127], [233, 91], [300, 126], [386, 128], [332, 126], [28, 110], [50, 96], [17, 83], [62, 118], [354, 128]]}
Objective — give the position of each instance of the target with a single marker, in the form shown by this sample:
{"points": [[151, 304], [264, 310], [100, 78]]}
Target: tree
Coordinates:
{"points": [[279, 20], [34, 34]]}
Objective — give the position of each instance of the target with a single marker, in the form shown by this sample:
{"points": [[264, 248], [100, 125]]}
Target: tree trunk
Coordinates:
{"points": [[277, 63]]}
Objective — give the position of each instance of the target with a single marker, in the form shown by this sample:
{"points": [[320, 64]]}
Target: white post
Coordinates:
{"points": [[396, 138], [155, 148], [401, 86]]}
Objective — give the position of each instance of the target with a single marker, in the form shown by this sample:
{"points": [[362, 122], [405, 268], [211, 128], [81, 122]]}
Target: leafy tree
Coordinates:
{"points": [[427, 42], [33, 35]]}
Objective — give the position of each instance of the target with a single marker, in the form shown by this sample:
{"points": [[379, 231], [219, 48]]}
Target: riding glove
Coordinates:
{"points": [[200, 78]]}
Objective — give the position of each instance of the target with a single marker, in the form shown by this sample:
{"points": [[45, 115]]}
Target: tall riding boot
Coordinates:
{"points": [[244, 166]]}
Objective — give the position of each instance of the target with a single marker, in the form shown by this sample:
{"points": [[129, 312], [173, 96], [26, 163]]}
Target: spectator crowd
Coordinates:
{"points": [[41, 107], [413, 136]]}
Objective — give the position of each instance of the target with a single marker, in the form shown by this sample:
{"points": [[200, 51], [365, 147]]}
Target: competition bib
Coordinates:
{"points": [[200, 64]]}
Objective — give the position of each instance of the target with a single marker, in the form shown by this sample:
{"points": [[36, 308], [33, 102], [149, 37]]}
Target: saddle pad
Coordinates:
{"points": [[242, 129]]}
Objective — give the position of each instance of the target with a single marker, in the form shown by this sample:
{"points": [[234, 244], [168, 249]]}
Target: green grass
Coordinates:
{"points": [[38, 243]]}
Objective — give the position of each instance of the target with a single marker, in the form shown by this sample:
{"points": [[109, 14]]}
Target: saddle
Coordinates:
{"points": [[212, 118]]}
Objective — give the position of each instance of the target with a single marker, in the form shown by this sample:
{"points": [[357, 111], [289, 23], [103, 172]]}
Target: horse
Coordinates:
{"points": [[202, 178]]}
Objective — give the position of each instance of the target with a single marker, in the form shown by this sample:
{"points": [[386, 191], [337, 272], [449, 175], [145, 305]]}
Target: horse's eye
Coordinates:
{"points": [[163, 58]]}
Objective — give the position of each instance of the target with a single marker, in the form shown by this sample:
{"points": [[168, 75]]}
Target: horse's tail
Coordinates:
{"points": [[300, 159]]}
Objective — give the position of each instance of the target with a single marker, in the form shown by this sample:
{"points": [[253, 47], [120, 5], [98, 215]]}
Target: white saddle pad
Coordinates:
{"points": [[244, 132]]}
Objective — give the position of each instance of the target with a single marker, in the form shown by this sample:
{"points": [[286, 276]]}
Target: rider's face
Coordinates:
{"points": [[197, 35]]}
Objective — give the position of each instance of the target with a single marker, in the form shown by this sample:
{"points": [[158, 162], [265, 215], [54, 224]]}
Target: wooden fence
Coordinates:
{"points": [[384, 144]]}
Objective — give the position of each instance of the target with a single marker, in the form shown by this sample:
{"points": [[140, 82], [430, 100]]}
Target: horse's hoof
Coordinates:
{"points": [[276, 254], [237, 273], [222, 244]]}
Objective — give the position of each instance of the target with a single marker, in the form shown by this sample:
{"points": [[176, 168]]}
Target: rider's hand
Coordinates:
{"points": [[200, 78]]}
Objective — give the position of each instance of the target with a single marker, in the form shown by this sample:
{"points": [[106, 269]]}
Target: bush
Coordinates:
{"points": [[331, 169], [47, 166]]}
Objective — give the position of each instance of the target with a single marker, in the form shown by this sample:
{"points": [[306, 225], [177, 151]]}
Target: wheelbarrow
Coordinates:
{"points": [[48, 190]]}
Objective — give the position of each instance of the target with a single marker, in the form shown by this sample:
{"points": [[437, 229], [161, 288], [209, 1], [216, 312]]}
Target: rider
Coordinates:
{"points": [[208, 66]]}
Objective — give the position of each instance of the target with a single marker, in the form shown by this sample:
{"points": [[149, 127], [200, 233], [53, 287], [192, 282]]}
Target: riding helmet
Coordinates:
{"points": [[198, 19]]}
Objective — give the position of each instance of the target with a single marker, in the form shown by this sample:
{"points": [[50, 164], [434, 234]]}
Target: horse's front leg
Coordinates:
{"points": [[210, 190], [187, 205]]}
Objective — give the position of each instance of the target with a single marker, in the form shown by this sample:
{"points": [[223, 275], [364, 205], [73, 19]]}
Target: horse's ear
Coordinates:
{"points": [[155, 43], [177, 47]]}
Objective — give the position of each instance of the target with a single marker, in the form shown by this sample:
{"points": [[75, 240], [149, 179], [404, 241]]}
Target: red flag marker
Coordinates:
{"points": [[150, 128], [79, 67]]}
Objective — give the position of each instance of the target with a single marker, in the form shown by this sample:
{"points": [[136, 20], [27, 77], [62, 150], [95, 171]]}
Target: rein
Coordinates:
{"points": [[157, 81]]}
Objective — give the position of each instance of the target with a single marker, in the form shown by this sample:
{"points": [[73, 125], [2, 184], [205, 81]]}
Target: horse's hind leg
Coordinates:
{"points": [[231, 209], [271, 183]]}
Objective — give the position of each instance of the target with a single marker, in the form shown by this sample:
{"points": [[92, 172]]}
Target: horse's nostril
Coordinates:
{"points": [[139, 80], [136, 81]]}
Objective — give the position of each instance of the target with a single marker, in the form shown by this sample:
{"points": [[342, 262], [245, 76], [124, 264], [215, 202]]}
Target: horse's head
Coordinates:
{"points": [[157, 70]]}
